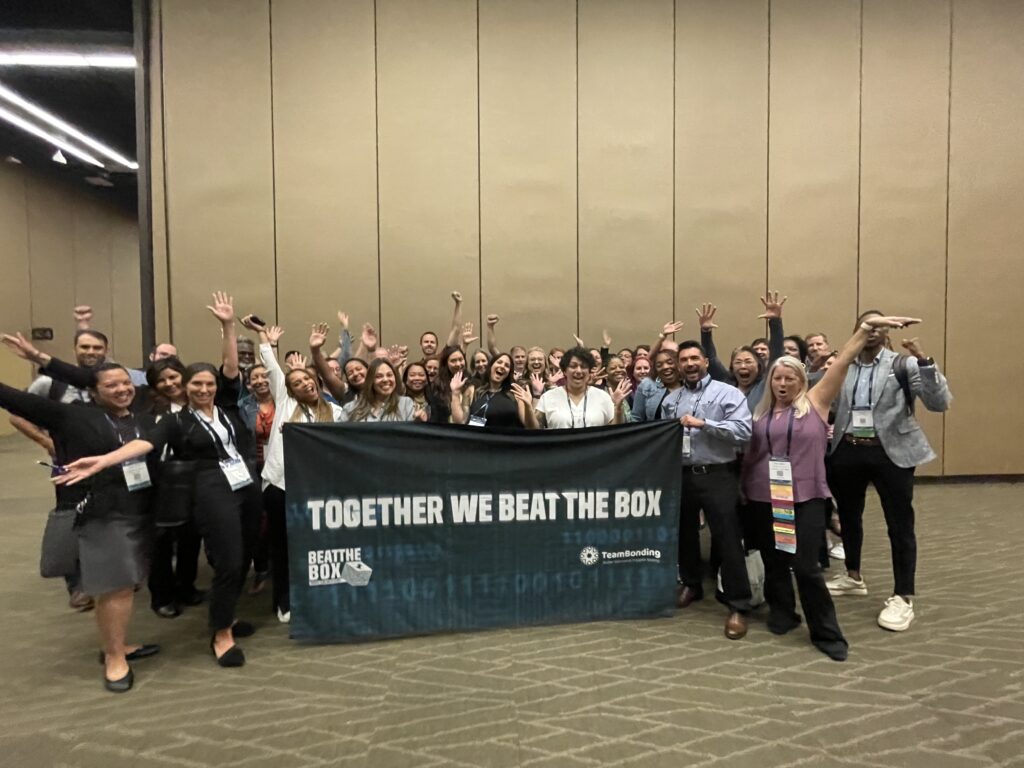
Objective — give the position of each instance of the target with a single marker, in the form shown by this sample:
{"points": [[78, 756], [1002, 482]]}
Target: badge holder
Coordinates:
{"points": [[136, 474], [780, 479], [686, 444], [863, 420], [236, 473], [477, 421]]}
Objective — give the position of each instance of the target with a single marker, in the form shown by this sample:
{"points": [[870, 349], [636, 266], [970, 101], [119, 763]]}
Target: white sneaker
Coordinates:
{"points": [[837, 551], [284, 617], [842, 584], [897, 614]]}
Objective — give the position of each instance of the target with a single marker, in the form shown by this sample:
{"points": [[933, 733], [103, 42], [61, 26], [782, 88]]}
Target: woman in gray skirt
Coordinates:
{"points": [[114, 527]]}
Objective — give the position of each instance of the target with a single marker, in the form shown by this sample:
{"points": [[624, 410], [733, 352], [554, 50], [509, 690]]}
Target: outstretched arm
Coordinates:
{"points": [[492, 342], [317, 338], [706, 318], [455, 333], [223, 308], [773, 314]]}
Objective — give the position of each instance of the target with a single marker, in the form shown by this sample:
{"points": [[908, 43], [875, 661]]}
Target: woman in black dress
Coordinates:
{"points": [[497, 403]]}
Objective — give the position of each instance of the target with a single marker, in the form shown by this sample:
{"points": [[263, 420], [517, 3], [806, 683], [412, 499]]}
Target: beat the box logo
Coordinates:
{"points": [[338, 566]]}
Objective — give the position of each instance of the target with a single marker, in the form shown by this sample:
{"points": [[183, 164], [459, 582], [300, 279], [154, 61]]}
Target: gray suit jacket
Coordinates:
{"points": [[897, 429]]}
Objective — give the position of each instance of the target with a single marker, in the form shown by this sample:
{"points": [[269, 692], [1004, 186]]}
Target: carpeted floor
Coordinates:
{"points": [[949, 692]]}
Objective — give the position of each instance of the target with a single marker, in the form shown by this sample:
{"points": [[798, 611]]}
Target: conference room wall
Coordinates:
{"points": [[62, 245], [807, 152]]}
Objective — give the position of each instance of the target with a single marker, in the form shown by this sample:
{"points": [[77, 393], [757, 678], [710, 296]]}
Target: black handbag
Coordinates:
{"points": [[175, 492], [59, 555]]}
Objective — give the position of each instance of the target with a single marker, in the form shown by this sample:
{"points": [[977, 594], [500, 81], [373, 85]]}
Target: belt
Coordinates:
{"points": [[704, 469], [848, 438]]}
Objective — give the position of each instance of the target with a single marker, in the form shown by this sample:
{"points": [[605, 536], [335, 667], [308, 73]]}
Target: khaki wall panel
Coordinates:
{"points": [[219, 173], [51, 254], [325, 166], [625, 168], [905, 102], [15, 296], [92, 270], [986, 230], [813, 163], [721, 158], [427, 138], [126, 313], [528, 169]]}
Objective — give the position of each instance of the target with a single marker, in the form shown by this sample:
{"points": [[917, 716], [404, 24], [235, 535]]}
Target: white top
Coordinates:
{"points": [[595, 409], [41, 387], [221, 431], [406, 408], [284, 407]]}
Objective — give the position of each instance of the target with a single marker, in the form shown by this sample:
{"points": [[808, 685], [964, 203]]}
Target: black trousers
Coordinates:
{"points": [[228, 522], [277, 538], [172, 578], [810, 581], [718, 494], [854, 467]]}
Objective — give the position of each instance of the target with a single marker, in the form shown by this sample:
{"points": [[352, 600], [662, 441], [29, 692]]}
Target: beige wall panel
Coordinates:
{"points": [[721, 158], [905, 101], [126, 313], [326, 189], [93, 266], [427, 133], [528, 169], [219, 172], [156, 178], [625, 168], [51, 256], [986, 230], [812, 194], [15, 302]]}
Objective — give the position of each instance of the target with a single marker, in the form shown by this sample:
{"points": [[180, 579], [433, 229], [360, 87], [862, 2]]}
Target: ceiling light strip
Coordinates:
{"points": [[11, 96], [64, 59], [35, 130]]}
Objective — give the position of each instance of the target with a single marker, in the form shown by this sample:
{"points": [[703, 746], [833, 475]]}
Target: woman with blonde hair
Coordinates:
{"points": [[784, 481]]}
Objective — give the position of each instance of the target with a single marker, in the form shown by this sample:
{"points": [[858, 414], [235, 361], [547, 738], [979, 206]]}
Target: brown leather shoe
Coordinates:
{"points": [[736, 626], [688, 595]]}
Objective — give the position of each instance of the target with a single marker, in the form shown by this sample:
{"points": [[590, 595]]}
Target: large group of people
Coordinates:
{"points": [[779, 445]]}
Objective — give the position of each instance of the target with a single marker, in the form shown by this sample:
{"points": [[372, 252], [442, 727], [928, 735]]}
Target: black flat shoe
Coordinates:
{"points": [[242, 629], [121, 685], [195, 597], [142, 652], [232, 657]]}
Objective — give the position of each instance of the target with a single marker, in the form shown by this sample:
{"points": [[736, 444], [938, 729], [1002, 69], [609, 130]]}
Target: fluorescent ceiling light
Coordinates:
{"points": [[64, 59], [9, 95], [35, 130]]}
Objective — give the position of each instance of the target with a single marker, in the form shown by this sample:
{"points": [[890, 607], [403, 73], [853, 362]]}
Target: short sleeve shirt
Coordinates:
{"points": [[560, 412]]}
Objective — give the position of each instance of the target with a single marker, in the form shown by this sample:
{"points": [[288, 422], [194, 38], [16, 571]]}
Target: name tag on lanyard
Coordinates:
{"points": [[236, 473], [780, 486], [863, 421], [477, 421], [686, 444], [136, 474]]}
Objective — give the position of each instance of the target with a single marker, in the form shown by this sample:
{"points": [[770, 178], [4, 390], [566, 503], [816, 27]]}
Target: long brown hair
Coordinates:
{"points": [[321, 412], [367, 400]]}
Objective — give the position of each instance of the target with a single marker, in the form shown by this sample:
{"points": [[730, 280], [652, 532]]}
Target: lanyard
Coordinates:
{"points": [[789, 435], [696, 405], [482, 411], [871, 384], [572, 413], [221, 450], [117, 431]]}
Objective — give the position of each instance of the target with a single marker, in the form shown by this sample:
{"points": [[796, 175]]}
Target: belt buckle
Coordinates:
{"points": [[699, 469]]}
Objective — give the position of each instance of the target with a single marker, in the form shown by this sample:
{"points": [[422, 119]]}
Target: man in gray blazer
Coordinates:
{"points": [[878, 441]]}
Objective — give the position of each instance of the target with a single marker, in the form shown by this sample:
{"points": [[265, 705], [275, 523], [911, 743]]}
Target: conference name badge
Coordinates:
{"points": [[236, 473], [477, 421], [780, 479], [686, 445], [863, 423], [136, 474]]}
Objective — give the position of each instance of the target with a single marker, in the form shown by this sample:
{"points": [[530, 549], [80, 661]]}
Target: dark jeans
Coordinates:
{"points": [[228, 522], [171, 578], [277, 538], [810, 581], [854, 467], [717, 493]]}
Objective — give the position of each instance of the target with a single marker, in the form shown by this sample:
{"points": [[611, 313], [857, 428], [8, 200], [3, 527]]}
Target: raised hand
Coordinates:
{"points": [[772, 306], [522, 394], [369, 337], [492, 320], [458, 382], [456, 297], [403, 350], [671, 328], [578, 340], [467, 334], [598, 374], [395, 355], [606, 338], [21, 346], [79, 470], [251, 324], [297, 361], [273, 333], [913, 347], [706, 316], [83, 316], [223, 307], [537, 384], [419, 413], [343, 319], [621, 392], [889, 321], [318, 336]]}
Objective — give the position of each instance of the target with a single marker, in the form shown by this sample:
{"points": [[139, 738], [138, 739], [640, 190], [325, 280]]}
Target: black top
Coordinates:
{"points": [[83, 377], [190, 440], [86, 429], [499, 408]]}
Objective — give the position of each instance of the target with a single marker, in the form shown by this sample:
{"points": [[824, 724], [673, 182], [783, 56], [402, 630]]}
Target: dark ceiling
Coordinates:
{"points": [[99, 102]]}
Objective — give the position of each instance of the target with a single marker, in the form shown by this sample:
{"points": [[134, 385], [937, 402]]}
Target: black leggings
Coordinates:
{"points": [[277, 538], [172, 573], [228, 522]]}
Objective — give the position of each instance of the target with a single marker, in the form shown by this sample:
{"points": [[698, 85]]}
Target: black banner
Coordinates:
{"points": [[401, 529]]}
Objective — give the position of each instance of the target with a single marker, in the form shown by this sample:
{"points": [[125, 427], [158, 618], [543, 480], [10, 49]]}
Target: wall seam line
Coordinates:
{"points": [[479, 191], [768, 158], [949, 147], [376, 166], [273, 159], [166, 173], [578, 329], [675, 34], [860, 145]]}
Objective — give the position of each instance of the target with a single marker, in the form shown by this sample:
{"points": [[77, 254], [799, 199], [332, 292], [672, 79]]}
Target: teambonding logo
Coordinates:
{"points": [[592, 556], [338, 566]]}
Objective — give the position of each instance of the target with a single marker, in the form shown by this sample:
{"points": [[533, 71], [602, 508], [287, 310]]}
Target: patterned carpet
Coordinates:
{"points": [[671, 692]]}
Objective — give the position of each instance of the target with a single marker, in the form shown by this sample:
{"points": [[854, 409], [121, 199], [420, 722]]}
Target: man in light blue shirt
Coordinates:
{"points": [[716, 425]]}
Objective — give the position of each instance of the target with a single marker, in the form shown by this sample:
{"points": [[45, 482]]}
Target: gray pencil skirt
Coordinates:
{"points": [[114, 552]]}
